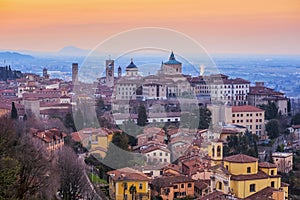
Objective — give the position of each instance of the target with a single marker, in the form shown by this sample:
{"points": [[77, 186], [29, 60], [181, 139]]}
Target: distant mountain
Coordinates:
{"points": [[14, 56], [73, 51]]}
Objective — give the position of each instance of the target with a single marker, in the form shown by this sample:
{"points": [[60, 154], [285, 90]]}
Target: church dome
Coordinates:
{"points": [[172, 60], [131, 65]]}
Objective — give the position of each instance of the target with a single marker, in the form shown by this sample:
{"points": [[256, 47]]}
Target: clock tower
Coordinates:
{"points": [[109, 72]]}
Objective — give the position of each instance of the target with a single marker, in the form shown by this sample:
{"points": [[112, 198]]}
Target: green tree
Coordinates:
{"points": [[100, 107], [280, 148], [296, 119], [69, 122], [132, 191], [132, 131], [205, 118], [14, 112], [271, 110], [273, 128], [118, 154], [142, 116], [120, 140], [9, 171], [289, 107], [245, 144], [9, 166]]}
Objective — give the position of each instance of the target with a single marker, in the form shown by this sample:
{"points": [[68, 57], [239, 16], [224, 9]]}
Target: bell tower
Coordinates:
{"points": [[119, 72], [109, 72], [216, 152]]}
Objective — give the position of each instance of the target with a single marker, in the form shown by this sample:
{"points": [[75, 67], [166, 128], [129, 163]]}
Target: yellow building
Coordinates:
{"points": [[243, 176], [127, 183], [95, 140]]}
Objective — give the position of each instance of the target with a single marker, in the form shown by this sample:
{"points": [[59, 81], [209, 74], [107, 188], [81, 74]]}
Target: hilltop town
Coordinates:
{"points": [[162, 136]]}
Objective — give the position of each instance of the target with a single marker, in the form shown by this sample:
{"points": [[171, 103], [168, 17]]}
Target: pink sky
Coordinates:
{"points": [[231, 26]]}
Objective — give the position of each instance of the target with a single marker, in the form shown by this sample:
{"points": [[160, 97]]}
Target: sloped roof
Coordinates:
{"points": [[240, 158], [125, 174], [170, 180], [246, 108], [266, 165], [265, 193]]}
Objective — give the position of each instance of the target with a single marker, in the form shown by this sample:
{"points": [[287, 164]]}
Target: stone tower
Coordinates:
{"points": [[45, 73], [119, 72], [75, 73], [109, 72]]}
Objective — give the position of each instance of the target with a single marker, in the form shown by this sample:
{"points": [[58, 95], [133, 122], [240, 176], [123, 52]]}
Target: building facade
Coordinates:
{"points": [[283, 161], [251, 117], [243, 176], [127, 183]]}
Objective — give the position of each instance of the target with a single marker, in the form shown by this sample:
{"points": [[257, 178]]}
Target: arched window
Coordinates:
{"points": [[220, 185], [218, 151], [213, 152]]}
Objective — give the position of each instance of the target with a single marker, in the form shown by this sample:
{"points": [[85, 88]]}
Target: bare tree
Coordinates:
{"points": [[73, 181], [36, 179]]}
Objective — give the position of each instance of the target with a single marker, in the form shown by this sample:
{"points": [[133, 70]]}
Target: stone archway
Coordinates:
{"points": [[219, 185]]}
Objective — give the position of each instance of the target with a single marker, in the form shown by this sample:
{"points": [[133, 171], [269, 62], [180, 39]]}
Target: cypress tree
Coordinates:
{"points": [[14, 112]]}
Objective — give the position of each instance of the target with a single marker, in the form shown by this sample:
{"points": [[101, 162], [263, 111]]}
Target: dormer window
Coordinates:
{"points": [[272, 172]]}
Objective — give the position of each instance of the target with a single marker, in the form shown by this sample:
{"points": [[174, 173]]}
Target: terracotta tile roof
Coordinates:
{"points": [[196, 164], [264, 194], [258, 175], [246, 108], [266, 165], [173, 167], [77, 137], [48, 135], [216, 195], [126, 174], [154, 148], [236, 81], [200, 184], [162, 182], [262, 90], [240, 158], [154, 130], [87, 132]]}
